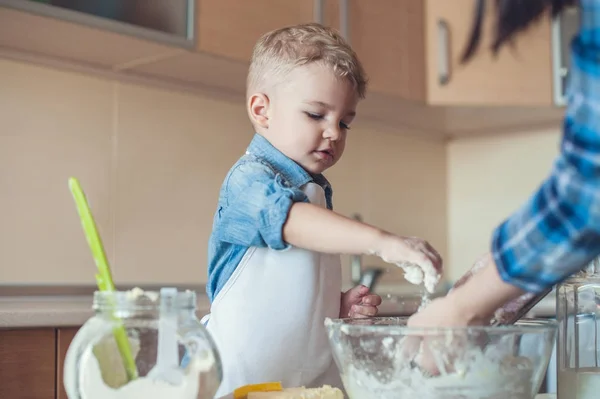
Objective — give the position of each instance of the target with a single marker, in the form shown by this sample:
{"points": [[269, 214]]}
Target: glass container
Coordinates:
{"points": [[383, 358], [94, 365], [578, 349]]}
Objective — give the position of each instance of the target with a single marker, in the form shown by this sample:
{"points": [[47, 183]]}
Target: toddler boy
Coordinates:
{"points": [[274, 266]]}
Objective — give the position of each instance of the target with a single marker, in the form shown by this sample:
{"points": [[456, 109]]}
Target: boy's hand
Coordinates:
{"points": [[359, 303], [420, 261], [318, 229]]}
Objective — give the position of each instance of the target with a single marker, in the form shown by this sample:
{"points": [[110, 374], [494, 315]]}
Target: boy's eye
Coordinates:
{"points": [[314, 116], [318, 117]]}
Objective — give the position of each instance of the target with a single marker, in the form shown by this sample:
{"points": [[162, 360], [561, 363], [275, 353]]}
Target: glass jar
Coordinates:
{"points": [[134, 325], [578, 347]]}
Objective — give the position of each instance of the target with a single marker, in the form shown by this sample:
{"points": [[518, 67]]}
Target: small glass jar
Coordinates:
{"points": [[95, 362], [578, 346]]}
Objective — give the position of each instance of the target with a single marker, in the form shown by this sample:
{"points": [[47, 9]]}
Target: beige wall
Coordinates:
{"points": [[488, 179], [396, 182], [151, 162]]}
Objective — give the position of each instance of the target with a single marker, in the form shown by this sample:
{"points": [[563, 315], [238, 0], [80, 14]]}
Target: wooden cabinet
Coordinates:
{"points": [[518, 76], [230, 28], [27, 363], [389, 39], [411, 49], [32, 362], [64, 336]]}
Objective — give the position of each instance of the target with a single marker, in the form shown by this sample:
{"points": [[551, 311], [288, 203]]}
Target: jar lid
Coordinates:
{"points": [[138, 299]]}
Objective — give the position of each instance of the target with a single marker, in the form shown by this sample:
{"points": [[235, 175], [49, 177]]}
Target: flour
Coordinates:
{"points": [[483, 380], [416, 274], [421, 274], [479, 384], [92, 386], [383, 370], [137, 293]]}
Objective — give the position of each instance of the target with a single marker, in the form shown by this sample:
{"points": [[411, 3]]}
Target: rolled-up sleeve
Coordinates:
{"points": [[258, 203], [557, 232]]}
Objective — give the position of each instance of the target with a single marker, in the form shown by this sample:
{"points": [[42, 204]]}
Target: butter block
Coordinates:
{"points": [[325, 392]]}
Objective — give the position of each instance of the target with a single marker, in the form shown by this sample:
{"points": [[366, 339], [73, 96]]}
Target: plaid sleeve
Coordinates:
{"points": [[557, 232]]}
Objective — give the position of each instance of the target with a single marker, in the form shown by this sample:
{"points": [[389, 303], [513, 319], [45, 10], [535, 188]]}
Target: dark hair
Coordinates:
{"points": [[513, 17]]}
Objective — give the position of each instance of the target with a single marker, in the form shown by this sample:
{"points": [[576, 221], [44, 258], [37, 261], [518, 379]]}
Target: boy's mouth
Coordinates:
{"points": [[325, 154]]}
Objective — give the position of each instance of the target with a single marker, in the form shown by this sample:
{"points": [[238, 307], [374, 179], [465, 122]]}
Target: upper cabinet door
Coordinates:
{"points": [[518, 75], [388, 36], [411, 49], [230, 28]]}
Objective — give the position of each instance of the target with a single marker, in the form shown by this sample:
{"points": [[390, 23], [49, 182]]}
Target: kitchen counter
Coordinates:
{"points": [[57, 311], [59, 306], [72, 306]]}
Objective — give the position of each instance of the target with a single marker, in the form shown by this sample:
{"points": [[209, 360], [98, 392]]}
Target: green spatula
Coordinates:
{"points": [[104, 276]]}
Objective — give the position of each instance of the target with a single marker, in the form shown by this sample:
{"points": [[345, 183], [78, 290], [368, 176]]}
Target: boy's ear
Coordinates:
{"points": [[258, 107]]}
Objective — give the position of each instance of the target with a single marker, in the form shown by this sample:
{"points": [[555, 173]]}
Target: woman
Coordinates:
{"points": [[557, 232]]}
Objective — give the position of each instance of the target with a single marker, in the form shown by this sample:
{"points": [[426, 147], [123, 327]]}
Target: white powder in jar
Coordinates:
{"points": [[92, 386]]}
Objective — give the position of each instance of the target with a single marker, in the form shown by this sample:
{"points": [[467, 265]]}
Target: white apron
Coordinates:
{"points": [[267, 321]]}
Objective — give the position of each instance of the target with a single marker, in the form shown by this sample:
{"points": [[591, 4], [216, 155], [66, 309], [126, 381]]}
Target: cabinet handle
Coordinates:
{"points": [[344, 20], [318, 12], [444, 53]]}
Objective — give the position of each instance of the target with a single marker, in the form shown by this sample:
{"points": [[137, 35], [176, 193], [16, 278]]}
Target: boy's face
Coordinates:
{"points": [[309, 115]]}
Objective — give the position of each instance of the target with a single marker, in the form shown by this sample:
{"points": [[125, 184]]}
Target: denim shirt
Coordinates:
{"points": [[254, 202]]}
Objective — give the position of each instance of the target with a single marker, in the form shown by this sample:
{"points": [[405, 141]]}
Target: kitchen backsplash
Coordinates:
{"points": [[489, 178], [151, 162]]}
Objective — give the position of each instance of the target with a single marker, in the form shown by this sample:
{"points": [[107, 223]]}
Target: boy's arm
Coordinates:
{"points": [[256, 205], [262, 211], [318, 229]]}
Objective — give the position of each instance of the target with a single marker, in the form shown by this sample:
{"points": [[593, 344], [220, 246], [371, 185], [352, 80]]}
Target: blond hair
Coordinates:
{"points": [[280, 51]]}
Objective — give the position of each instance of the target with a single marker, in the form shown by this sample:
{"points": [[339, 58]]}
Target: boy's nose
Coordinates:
{"points": [[333, 133]]}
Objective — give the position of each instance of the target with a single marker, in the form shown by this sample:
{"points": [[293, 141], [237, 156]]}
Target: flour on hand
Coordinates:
{"points": [[421, 274]]}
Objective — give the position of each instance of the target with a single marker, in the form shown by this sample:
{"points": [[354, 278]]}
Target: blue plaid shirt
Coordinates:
{"points": [[557, 232]]}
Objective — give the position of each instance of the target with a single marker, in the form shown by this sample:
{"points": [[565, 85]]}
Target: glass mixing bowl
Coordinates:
{"points": [[382, 358]]}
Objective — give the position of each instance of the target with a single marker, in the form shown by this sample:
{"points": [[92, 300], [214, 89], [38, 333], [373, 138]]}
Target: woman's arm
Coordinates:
{"points": [[557, 232]]}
